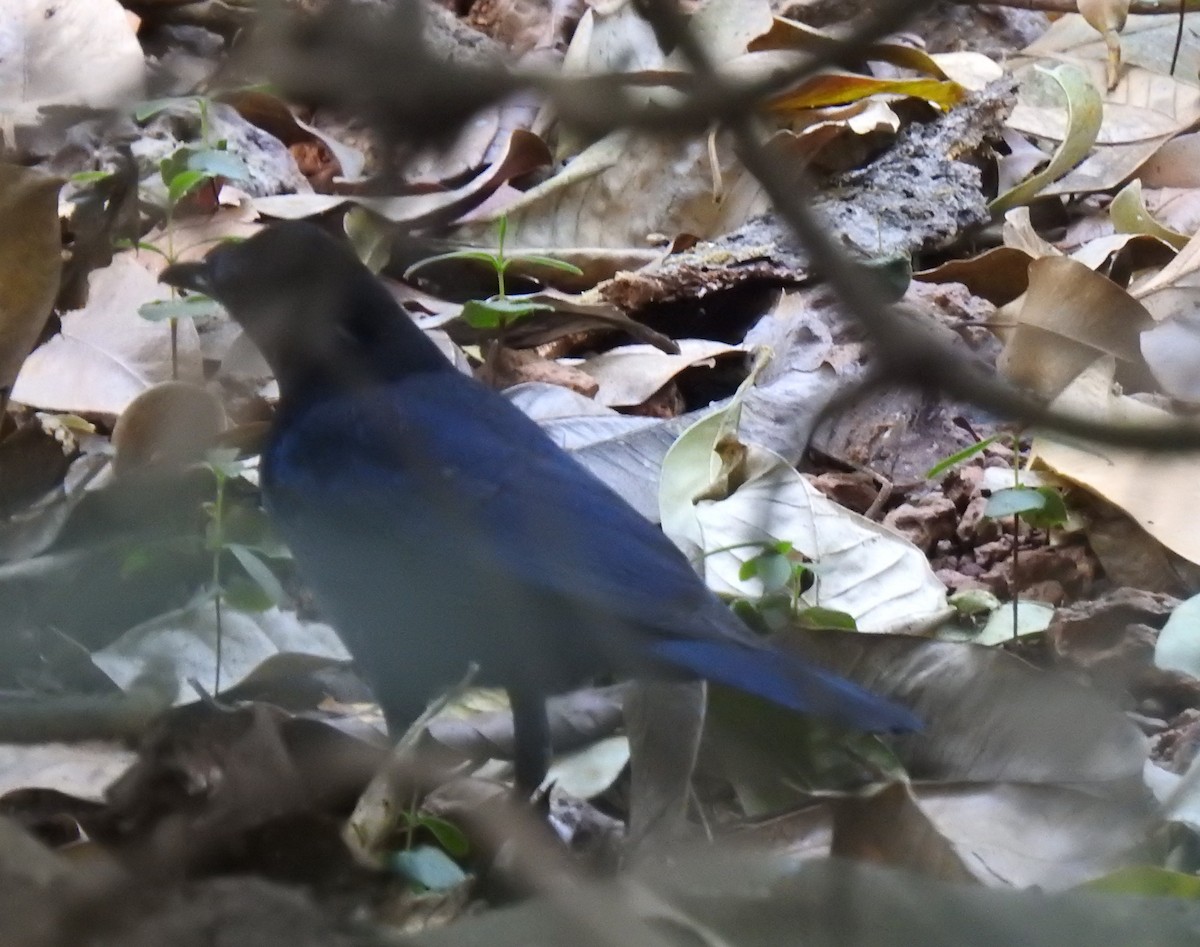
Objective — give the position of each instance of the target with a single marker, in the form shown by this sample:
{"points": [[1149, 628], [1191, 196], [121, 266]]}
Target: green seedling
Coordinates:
{"points": [[1040, 507], [183, 172], [785, 575], [244, 536], [191, 165], [500, 311], [430, 867], [946, 463]]}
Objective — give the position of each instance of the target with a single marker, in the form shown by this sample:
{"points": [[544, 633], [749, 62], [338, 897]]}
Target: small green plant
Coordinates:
{"points": [[237, 540], [190, 166], [785, 575], [1041, 507], [500, 311], [243, 534], [185, 170], [430, 867], [233, 531]]}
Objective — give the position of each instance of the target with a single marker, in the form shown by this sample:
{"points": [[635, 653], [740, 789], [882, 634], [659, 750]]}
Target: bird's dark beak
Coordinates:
{"points": [[193, 276]]}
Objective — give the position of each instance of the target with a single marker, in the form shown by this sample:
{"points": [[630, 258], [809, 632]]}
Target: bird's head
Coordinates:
{"points": [[314, 311]]}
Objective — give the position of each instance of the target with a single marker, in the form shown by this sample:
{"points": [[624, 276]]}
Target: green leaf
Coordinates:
{"points": [[218, 163], [750, 615], [1147, 881], [371, 237], [184, 182], [224, 462], [499, 311], [89, 177], [190, 307], [1053, 512], [136, 560], [250, 526], [448, 835], [240, 593], [173, 164], [818, 617], [893, 274], [547, 261], [955, 459], [774, 571], [776, 611], [1033, 618], [124, 243], [429, 867], [479, 256], [258, 571], [1013, 501], [804, 576]]}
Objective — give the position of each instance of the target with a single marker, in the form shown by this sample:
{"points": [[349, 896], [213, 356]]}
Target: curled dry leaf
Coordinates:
{"points": [[631, 374], [1070, 316], [1077, 127], [1142, 111], [170, 425], [1153, 488]]}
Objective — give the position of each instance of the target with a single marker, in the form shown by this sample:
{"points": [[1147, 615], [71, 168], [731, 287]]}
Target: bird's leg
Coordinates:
{"points": [[531, 740]]}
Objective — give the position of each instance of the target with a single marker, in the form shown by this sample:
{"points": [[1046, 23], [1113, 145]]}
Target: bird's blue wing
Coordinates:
{"points": [[457, 463], [433, 458]]}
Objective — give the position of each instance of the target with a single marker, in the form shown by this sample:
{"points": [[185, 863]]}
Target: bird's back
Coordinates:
{"points": [[423, 511], [440, 526]]}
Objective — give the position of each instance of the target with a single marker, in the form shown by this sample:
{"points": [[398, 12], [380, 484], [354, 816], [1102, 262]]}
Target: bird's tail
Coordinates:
{"points": [[788, 681]]}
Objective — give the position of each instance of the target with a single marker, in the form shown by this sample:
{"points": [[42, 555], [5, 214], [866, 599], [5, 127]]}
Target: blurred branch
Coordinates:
{"points": [[397, 64], [907, 355], [382, 63]]}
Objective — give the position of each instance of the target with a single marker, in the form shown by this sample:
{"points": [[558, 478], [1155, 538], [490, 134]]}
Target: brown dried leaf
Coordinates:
{"points": [[30, 263]]}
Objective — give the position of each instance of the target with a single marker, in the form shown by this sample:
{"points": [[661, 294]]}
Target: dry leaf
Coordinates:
{"points": [[106, 354], [67, 52], [30, 263], [1155, 489], [1070, 316]]}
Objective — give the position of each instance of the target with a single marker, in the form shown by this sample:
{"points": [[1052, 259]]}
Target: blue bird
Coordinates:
{"points": [[438, 525]]}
